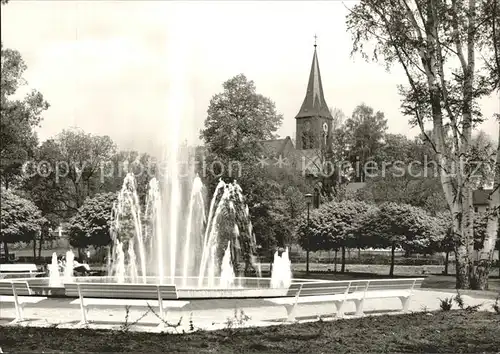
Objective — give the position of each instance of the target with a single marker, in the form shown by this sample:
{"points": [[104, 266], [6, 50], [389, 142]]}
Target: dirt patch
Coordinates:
{"points": [[454, 331]]}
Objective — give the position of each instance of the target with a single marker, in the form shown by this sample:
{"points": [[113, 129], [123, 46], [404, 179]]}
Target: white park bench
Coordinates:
{"points": [[101, 295], [18, 292], [18, 270], [339, 292]]}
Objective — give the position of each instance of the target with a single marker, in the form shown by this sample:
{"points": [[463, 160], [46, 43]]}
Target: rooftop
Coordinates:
{"points": [[314, 104]]}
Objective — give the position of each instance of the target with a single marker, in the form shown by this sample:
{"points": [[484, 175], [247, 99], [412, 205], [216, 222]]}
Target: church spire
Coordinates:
{"points": [[314, 104]]}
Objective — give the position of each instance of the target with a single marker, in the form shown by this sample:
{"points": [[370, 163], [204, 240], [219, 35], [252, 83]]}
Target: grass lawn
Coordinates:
{"points": [[451, 332]]}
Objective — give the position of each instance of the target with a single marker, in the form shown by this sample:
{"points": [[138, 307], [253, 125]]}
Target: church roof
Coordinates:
{"points": [[314, 104], [275, 147]]}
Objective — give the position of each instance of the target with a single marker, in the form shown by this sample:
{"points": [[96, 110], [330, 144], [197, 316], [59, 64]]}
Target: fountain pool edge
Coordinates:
{"points": [[40, 286]]}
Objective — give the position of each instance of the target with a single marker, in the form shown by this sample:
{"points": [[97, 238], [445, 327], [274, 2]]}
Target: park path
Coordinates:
{"points": [[214, 314]]}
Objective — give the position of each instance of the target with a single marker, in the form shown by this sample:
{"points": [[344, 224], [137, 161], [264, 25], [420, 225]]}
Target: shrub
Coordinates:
{"points": [[459, 300], [446, 303]]}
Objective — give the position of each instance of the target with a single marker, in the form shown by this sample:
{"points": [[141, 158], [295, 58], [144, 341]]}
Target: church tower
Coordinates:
{"points": [[314, 120]]}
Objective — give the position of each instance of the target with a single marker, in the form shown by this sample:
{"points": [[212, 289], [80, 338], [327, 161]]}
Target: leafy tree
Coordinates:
{"points": [[20, 220], [406, 174], [333, 225], [142, 165], [67, 170], [404, 187], [291, 206], [18, 117], [447, 241], [238, 118], [395, 147], [315, 236], [483, 151], [490, 9], [339, 118], [400, 225], [91, 224], [275, 200], [366, 133], [445, 49]]}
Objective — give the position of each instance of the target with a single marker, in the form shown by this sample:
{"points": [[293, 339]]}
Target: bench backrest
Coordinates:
{"points": [[24, 268], [22, 288], [351, 286], [132, 291], [394, 284], [320, 288]]}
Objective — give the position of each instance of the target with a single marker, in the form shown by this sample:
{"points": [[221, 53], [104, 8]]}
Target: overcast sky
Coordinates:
{"points": [[113, 67]]}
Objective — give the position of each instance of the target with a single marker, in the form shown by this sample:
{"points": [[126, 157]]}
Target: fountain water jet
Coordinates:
{"points": [[281, 276], [69, 266], [54, 275], [198, 240], [227, 272], [173, 240]]}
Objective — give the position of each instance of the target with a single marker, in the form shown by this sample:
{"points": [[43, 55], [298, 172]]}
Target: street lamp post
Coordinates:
{"points": [[309, 198]]}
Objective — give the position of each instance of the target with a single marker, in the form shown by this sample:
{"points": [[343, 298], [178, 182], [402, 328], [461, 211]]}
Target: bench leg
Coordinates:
{"points": [[340, 308], [19, 313], [84, 309], [359, 306], [405, 301], [19, 310], [290, 311]]}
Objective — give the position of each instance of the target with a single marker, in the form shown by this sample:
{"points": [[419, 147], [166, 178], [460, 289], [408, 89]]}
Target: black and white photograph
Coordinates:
{"points": [[250, 176]]}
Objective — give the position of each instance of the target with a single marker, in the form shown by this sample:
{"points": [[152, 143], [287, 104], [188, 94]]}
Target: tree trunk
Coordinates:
{"points": [[335, 269], [393, 250], [34, 250], [446, 263], [462, 267], [40, 246], [6, 251], [342, 268], [479, 274], [307, 262], [456, 187]]}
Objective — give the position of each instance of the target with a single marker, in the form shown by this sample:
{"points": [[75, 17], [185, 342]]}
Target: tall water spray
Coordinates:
{"points": [[143, 239], [54, 275], [227, 271], [69, 266], [281, 275], [168, 237]]}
